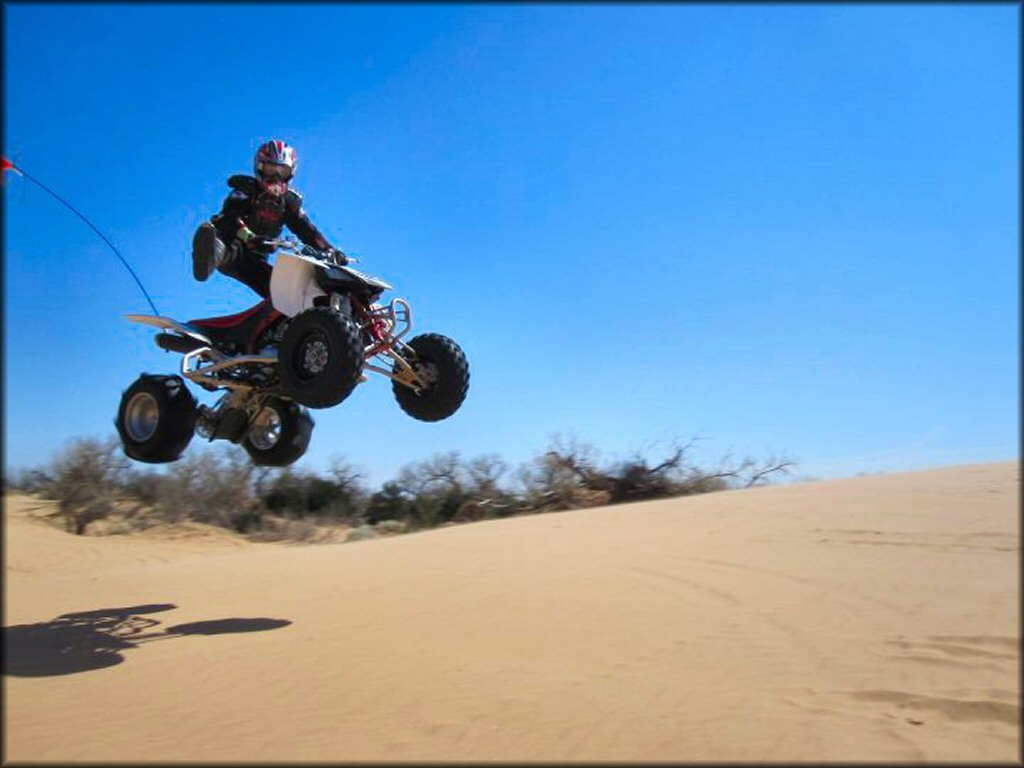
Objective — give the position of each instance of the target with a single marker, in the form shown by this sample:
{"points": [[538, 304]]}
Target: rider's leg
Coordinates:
{"points": [[251, 270]]}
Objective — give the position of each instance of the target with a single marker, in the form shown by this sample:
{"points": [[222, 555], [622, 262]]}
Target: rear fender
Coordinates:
{"points": [[167, 323]]}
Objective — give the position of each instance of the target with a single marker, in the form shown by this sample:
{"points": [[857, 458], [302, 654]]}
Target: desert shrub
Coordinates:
{"points": [[557, 479], [568, 476], [390, 527], [389, 503], [305, 494], [211, 486], [286, 493], [28, 481], [435, 488], [274, 528], [351, 502], [144, 486], [483, 477], [362, 533], [731, 473], [338, 496], [86, 479], [701, 482]]}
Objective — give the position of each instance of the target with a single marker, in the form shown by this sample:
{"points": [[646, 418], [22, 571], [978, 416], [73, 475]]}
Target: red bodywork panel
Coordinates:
{"points": [[230, 321], [260, 317]]}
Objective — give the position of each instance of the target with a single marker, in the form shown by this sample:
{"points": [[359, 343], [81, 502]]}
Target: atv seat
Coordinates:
{"points": [[238, 333]]}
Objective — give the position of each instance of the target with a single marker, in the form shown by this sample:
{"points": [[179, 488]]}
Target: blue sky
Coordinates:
{"points": [[780, 228]]}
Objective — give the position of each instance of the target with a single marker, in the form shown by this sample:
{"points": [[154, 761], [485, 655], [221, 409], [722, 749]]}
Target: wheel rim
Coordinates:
{"points": [[141, 417], [313, 355], [266, 429]]}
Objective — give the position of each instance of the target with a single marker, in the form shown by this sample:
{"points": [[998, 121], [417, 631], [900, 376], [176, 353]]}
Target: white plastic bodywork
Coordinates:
{"points": [[292, 285]]}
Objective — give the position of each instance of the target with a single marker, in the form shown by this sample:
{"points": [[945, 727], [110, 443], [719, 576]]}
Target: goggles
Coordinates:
{"points": [[272, 171]]}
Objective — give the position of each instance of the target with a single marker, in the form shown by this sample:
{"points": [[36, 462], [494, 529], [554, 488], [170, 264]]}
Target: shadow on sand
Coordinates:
{"points": [[79, 642]]}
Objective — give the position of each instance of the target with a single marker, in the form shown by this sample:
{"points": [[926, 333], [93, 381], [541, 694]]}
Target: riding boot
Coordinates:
{"points": [[207, 251]]}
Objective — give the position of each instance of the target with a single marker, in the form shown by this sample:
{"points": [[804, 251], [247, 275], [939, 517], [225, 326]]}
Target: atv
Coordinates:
{"points": [[306, 346]]}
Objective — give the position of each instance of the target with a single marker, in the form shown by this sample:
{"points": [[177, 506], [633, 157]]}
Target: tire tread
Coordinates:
{"points": [[451, 392]]}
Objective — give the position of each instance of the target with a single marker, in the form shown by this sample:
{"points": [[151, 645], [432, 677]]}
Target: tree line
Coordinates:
{"points": [[92, 480]]}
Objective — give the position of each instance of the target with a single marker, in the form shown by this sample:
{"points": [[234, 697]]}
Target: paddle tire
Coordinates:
{"points": [[441, 363], [320, 357], [280, 433], [156, 418]]}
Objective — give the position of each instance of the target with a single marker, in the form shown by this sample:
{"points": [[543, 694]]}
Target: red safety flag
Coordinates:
{"points": [[7, 166]]}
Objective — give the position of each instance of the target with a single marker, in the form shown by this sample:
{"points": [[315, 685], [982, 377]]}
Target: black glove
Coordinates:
{"points": [[335, 255], [251, 241]]}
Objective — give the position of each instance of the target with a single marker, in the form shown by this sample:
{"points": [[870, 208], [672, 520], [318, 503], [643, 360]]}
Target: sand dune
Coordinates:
{"points": [[873, 618]]}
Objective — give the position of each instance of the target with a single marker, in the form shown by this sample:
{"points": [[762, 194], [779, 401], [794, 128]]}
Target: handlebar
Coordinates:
{"points": [[287, 244]]}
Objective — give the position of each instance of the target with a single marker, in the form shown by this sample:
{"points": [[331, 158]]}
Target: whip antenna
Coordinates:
{"points": [[9, 166]]}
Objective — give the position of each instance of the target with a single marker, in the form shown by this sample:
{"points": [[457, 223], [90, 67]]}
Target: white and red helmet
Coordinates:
{"points": [[275, 165]]}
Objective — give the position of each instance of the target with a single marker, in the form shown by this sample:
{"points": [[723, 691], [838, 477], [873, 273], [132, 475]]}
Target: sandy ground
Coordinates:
{"points": [[874, 618]]}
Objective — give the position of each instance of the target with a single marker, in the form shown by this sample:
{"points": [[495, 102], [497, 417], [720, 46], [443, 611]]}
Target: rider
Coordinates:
{"points": [[234, 240]]}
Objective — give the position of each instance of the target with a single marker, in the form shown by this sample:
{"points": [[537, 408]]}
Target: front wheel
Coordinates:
{"points": [[442, 366], [320, 358], [279, 435], [156, 418]]}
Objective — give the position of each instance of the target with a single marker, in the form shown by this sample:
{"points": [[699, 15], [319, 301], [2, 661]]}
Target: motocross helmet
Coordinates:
{"points": [[275, 164]]}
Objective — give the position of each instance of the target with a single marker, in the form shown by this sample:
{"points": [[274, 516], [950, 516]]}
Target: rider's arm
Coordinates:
{"points": [[232, 218], [297, 220]]}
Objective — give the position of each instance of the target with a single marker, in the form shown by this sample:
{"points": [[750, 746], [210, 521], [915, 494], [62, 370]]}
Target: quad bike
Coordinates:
{"points": [[307, 346]]}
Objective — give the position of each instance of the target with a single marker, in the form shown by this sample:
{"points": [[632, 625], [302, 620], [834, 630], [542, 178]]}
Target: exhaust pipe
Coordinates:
{"points": [[174, 343]]}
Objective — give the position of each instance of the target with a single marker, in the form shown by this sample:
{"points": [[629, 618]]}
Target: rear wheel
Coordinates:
{"points": [[280, 433], [156, 418], [442, 366], [320, 357]]}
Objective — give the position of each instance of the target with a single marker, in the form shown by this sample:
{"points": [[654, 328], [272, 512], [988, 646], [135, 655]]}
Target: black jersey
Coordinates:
{"points": [[265, 214]]}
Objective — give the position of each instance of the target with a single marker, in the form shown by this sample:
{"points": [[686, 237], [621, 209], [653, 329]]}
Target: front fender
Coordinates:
{"points": [[293, 285]]}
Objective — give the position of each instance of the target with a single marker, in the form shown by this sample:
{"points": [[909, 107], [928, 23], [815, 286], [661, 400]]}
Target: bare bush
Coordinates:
{"points": [[28, 481], [340, 496], [145, 487], [567, 476], [347, 477], [86, 479], [391, 527], [483, 475], [557, 478], [434, 488], [742, 473], [213, 487], [471, 511], [638, 478], [274, 528], [391, 502]]}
